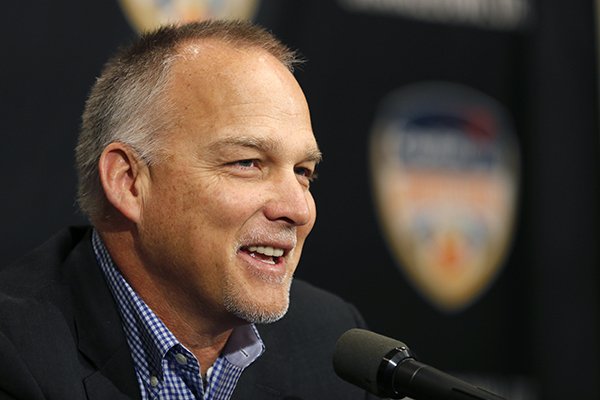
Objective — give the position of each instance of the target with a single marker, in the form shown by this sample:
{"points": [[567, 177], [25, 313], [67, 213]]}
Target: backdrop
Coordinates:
{"points": [[530, 329]]}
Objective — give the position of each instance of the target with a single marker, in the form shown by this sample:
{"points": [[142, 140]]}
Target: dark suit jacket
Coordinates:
{"points": [[61, 335]]}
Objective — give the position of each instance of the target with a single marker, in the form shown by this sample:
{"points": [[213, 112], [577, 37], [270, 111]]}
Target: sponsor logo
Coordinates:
{"points": [[145, 15], [445, 176]]}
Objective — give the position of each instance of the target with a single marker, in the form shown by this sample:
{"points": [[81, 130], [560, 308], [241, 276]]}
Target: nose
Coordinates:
{"points": [[290, 201]]}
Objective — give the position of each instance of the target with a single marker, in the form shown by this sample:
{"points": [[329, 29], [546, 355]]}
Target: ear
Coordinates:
{"points": [[123, 176]]}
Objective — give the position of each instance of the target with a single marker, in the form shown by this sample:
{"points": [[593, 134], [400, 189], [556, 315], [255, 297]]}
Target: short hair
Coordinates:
{"points": [[128, 102]]}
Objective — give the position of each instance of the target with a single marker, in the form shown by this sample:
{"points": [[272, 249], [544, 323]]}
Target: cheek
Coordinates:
{"points": [[216, 208], [171, 211]]}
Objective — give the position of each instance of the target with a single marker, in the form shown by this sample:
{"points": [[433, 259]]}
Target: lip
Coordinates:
{"points": [[274, 273]]}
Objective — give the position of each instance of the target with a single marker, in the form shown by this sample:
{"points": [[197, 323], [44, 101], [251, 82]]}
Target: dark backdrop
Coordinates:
{"points": [[534, 333]]}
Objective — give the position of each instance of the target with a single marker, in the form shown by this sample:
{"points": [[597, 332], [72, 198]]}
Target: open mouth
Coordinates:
{"points": [[266, 254]]}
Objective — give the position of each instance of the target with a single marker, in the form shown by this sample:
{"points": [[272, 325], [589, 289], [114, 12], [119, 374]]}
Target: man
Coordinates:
{"points": [[195, 160]]}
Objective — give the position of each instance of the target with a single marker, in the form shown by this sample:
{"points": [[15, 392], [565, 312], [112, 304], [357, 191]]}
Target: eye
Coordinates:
{"points": [[245, 164], [306, 173]]}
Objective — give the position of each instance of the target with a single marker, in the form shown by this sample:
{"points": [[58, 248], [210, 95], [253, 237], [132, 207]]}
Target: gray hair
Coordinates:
{"points": [[129, 104]]}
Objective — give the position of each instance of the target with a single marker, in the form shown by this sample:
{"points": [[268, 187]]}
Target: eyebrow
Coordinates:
{"points": [[262, 145]]}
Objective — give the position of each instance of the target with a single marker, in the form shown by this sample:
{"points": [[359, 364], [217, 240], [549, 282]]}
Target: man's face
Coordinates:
{"points": [[226, 213]]}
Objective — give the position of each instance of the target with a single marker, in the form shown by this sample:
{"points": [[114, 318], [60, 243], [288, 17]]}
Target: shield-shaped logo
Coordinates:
{"points": [[145, 15], [445, 175]]}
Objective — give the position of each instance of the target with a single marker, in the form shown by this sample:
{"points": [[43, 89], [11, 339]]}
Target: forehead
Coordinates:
{"points": [[220, 92], [222, 71]]}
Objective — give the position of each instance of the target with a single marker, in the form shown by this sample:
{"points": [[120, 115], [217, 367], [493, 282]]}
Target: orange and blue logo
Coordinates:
{"points": [[445, 172]]}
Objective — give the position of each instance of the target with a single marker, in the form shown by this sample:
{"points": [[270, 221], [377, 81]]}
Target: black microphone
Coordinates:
{"points": [[387, 368]]}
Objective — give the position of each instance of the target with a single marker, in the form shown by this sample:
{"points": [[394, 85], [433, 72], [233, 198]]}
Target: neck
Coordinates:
{"points": [[203, 332], [205, 339]]}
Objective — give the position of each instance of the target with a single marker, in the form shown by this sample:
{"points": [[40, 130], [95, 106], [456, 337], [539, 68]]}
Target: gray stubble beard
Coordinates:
{"points": [[248, 310]]}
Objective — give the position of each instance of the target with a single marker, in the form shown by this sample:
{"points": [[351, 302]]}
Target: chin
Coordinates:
{"points": [[256, 315], [265, 309]]}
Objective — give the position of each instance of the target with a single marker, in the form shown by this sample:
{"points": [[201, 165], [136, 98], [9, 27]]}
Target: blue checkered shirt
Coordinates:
{"points": [[165, 369]]}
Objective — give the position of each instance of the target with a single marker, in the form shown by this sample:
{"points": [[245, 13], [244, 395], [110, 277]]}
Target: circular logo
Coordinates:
{"points": [[445, 169], [146, 15]]}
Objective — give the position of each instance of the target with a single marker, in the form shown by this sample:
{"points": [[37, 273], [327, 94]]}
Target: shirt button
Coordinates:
{"points": [[153, 381], [181, 359]]}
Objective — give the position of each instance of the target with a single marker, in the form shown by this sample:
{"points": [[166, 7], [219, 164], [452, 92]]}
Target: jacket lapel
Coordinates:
{"points": [[99, 330]]}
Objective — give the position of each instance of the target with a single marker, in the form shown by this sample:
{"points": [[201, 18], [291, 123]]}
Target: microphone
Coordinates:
{"points": [[387, 368]]}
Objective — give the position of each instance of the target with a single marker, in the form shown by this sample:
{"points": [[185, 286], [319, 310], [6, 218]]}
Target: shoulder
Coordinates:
{"points": [[314, 321], [314, 312], [299, 347], [37, 286], [37, 326], [39, 269], [312, 304]]}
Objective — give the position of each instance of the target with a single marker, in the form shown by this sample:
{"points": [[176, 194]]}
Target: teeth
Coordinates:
{"points": [[266, 250]]}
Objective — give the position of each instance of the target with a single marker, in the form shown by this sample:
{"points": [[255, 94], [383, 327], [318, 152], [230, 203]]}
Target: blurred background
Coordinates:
{"points": [[458, 197]]}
